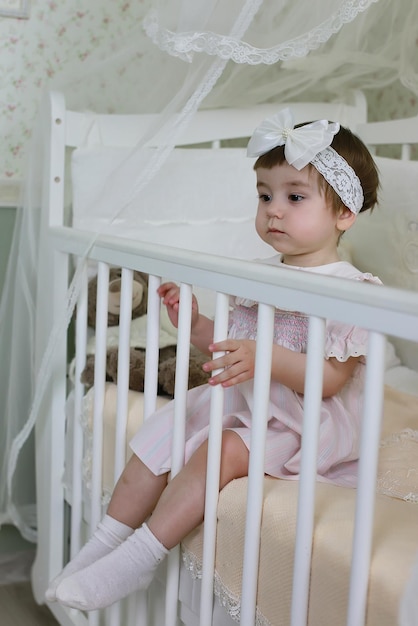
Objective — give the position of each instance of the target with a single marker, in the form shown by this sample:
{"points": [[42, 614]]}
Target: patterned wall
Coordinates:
{"points": [[34, 50]]}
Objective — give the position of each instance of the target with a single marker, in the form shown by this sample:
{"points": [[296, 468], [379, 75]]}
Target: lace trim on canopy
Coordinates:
{"points": [[184, 44], [229, 601]]}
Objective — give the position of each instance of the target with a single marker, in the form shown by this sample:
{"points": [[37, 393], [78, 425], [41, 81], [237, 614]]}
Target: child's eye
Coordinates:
{"points": [[264, 197], [295, 197]]}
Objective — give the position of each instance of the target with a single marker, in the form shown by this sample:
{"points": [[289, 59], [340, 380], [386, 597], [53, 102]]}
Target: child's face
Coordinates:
{"points": [[293, 216]]}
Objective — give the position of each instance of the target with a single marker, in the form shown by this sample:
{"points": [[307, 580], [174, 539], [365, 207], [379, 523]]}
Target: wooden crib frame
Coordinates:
{"points": [[383, 310]]}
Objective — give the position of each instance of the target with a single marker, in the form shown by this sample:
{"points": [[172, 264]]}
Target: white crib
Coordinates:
{"points": [[228, 571]]}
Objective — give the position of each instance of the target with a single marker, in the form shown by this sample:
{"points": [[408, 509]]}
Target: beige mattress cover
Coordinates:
{"points": [[395, 542]]}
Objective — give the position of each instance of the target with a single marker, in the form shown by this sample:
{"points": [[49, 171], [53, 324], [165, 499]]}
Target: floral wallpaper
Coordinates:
{"points": [[34, 50], [60, 37]]}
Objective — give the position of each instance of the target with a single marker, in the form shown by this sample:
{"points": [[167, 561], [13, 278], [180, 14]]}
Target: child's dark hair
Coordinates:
{"points": [[354, 151]]}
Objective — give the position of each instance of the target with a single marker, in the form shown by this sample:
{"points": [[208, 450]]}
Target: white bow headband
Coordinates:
{"points": [[309, 144]]}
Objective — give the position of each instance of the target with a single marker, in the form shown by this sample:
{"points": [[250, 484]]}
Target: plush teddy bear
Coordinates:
{"points": [[139, 297], [167, 353]]}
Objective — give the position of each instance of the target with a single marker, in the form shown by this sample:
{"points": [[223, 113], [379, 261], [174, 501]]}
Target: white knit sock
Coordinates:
{"points": [[110, 533], [129, 567]]}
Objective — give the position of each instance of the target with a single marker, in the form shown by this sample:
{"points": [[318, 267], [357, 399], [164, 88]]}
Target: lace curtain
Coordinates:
{"points": [[187, 54]]}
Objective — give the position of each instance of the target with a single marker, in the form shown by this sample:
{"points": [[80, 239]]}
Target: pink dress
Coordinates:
{"points": [[340, 415]]}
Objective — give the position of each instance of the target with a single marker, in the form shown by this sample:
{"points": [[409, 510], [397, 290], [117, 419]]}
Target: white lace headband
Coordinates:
{"points": [[309, 144]]}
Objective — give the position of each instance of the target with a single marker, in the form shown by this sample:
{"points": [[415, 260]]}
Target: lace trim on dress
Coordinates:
{"points": [[228, 600], [368, 277], [342, 348], [184, 44]]}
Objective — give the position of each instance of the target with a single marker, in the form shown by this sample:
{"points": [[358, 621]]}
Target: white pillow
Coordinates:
{"points": [[203, 200], [385, 242], [181, 192]]}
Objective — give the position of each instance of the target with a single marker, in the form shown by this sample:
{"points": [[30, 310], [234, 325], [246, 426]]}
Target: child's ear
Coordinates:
{"points": [[346, 219]]}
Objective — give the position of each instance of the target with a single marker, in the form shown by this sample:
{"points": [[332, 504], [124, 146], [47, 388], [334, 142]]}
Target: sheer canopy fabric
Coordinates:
{"points": [[186, 55]]}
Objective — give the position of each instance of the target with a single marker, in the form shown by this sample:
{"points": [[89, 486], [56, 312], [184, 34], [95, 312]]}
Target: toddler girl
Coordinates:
{"points": [[312, 182]]}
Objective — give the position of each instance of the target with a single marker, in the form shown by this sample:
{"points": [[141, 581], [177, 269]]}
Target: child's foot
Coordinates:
{"points": [[109, 535], [129, 567]]}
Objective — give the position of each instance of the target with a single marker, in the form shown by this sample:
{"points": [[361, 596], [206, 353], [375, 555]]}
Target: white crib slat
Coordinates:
{"points": [[308, 471], [182, 373], [213, 470], [134, 616], [406, 152], [153, 334], [99, 392], [77, 460], [137, 610], [99, 396], [138, 603], [125, 316], [367, 474], [113, 614], [172, 586], [94, 618], [178, 444], [262, 376]]}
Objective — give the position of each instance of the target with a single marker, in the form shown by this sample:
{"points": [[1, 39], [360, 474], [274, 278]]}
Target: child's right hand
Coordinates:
{"points": [[170, 295]]}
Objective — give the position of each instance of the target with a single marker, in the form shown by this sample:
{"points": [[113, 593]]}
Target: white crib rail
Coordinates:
{"points": [[380, 309]]}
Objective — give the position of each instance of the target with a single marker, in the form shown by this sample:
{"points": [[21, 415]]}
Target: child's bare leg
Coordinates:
{"points": [[136, 493], [181, 506], [134, 498], [180, 509]]}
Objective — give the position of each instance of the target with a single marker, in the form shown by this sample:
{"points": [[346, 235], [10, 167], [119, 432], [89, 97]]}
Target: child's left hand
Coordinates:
{"points": [[237, 363]]}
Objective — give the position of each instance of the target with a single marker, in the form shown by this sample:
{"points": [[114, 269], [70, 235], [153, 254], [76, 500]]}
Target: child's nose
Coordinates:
{"points": [[276, 209]]}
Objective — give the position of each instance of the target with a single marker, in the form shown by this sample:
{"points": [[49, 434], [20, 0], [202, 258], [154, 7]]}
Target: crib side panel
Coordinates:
{"points": [[373, 307]]}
